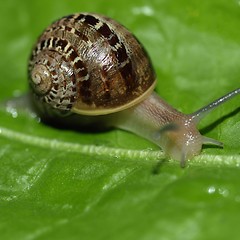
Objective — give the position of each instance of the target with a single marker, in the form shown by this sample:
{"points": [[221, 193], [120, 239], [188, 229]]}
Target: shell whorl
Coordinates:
{"points": [[89, 64]]}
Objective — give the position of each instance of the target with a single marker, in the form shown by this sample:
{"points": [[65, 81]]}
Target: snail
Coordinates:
{"points": [[89, 69]]}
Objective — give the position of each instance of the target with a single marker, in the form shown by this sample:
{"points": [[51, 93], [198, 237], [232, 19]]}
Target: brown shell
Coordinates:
{"points": [[91, 65]]}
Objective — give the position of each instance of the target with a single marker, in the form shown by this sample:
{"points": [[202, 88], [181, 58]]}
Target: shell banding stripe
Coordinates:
{"points": [[118, 47], [101, 27], [70, 53], [62, 97]]}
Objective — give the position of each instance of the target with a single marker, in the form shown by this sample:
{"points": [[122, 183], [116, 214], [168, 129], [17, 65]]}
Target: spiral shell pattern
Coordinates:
{"points": [[89, 64]]}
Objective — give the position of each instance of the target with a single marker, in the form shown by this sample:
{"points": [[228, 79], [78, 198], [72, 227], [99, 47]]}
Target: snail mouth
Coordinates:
{"points": [[41, 79], [182, 149], [180, 141]]}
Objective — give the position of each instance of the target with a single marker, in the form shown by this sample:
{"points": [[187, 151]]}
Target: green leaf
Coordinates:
{"points": [[62, 184]]}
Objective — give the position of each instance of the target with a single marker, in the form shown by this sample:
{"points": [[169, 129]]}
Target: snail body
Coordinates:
{"points": [[89, 67]]}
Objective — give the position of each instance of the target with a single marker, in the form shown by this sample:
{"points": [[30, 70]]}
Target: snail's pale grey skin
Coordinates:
{"points": [[176, 133], [89, 68]]}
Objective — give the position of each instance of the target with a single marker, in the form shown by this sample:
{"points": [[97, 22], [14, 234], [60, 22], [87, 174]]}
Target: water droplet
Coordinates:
{"points": [[223, 191], [12, 111], [145, 10], [211, 190]]}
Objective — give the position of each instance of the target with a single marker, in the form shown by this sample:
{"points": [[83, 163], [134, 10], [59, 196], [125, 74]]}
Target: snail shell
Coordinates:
{"points": [[89, 64]]}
